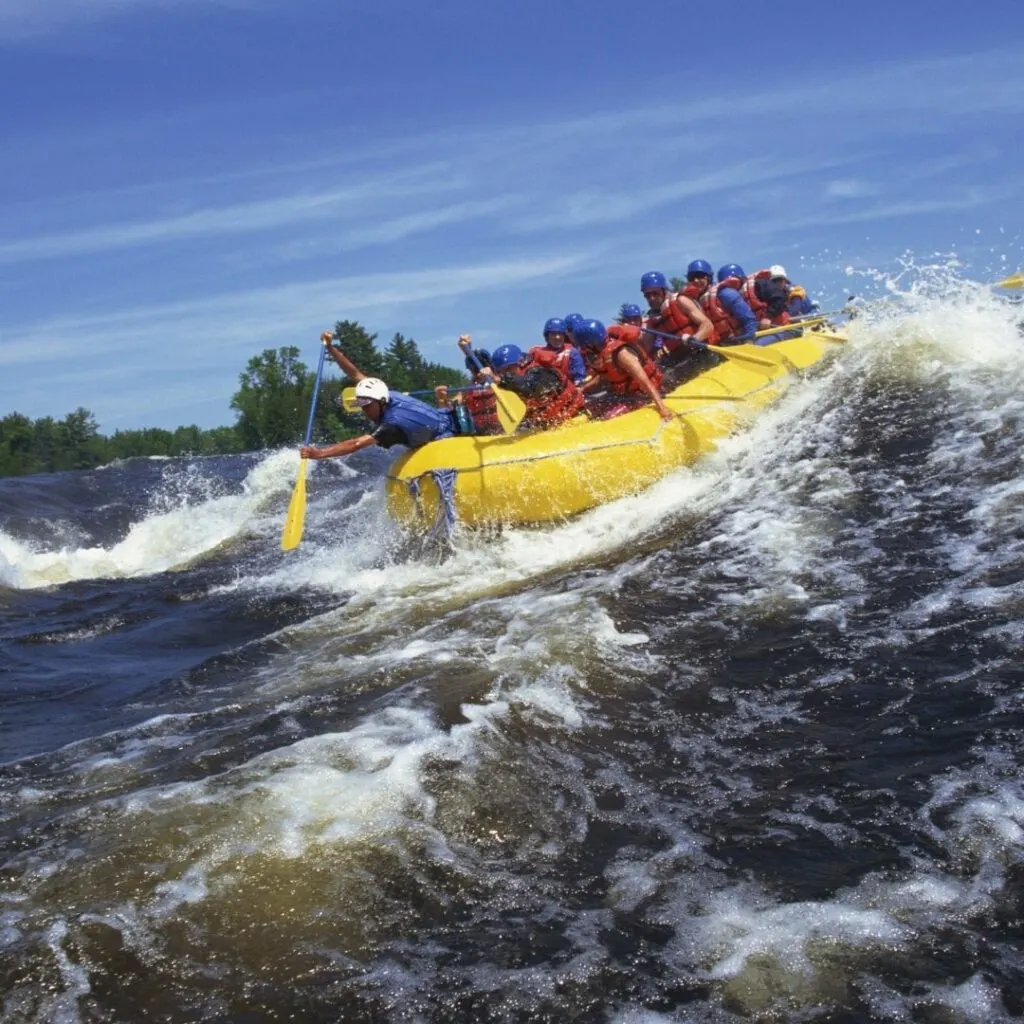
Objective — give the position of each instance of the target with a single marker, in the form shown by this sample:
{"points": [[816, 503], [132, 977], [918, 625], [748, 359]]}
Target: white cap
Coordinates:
{"points": [[370, 389], [777, 270]]}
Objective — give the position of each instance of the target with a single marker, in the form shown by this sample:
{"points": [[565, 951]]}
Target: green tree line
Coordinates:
{"points": [[271, 406]]}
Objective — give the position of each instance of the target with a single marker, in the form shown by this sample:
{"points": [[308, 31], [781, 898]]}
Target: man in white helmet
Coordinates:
{"points": [[397, 418]]}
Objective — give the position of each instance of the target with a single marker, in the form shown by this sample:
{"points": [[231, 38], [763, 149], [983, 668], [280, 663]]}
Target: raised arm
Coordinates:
{"points": [[344, 363]]}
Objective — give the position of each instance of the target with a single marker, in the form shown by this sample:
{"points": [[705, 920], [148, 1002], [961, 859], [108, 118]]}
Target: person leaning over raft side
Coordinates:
{"points": [[397, 418], [549, 395], [620, 363]]}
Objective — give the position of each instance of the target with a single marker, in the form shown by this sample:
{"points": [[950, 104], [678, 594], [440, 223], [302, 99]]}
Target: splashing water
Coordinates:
{"points": [[177, 530], [746, 746]]}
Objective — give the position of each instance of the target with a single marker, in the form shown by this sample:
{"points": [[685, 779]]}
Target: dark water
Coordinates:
{"points": [[745, 747]]}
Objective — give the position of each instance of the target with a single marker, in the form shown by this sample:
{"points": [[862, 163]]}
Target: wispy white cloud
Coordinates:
{"points": [[27, 19], [182, 331], [281, 212], [394, 229], [850, 188], [595, 206]]}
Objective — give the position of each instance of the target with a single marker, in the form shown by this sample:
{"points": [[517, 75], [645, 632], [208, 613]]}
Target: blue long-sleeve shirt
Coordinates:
{"points": [[577, 367], [739, 309]]}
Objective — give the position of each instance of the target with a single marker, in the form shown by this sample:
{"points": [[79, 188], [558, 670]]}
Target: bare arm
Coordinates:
{"points": [[353, 444], [345, 364], [628, 361], [697, 316]]}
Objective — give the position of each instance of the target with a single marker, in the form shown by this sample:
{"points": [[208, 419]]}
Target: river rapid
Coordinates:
{"points": [[744, 747]]}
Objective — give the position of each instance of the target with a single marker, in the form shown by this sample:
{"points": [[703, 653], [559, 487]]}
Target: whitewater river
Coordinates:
{"points": [[747, 746]]}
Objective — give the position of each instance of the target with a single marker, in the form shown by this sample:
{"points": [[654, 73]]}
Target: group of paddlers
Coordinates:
{"points": [[583, 366]]}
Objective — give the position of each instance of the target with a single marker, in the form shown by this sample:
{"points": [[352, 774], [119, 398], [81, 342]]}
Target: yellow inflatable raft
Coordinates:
{"points": [[540, 476]]}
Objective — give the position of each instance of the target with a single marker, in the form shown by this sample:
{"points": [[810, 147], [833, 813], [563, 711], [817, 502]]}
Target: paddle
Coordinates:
{"points": [[718, 350], [296, 517], [511, 408], [1015, 281]]}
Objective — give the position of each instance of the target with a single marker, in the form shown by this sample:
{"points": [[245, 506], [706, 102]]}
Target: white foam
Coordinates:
{"points": [[167, 538]]}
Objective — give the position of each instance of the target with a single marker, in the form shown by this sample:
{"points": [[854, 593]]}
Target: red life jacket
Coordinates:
{"points": [[551, 410], [693, 291], [483, 407], [760, 309], [543, 355], [725, 326], [670, 319], [622, 336], [749, 292]]}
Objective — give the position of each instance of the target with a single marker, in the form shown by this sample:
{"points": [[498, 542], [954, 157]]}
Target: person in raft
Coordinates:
{"points": [[558, 351], [548, 392], [729, 312], [676, 314], [397, 418], [621, 365], [479, 402]]}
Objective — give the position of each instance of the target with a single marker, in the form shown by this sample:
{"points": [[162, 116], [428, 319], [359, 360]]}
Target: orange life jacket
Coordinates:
{"points": [[622, 336], [550, 410], [670, 319], [723, 324], [483, 407]]}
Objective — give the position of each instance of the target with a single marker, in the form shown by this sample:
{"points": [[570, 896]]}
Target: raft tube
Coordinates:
{"points": [[548, 475]]}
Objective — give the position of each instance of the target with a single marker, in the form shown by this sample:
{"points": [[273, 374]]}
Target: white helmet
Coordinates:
{"points": [[777, 270], [370, 389]]}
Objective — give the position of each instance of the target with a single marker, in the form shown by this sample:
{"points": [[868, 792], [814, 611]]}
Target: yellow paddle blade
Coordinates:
{"points": [[728, 353], [511, 409], [348, 400], [296, 518], [1016, 281]]}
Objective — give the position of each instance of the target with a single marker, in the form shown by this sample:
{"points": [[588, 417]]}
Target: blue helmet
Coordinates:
{"points": [[556, 325], [572, 320], [506, 355], [589, 334], [653, 279], [699, 267], [483, 358], [731, 270], [629, 310]]}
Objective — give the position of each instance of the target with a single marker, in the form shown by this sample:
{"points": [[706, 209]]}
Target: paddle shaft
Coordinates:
{"points": [[718, 349], [295, 518], [316, 394]]}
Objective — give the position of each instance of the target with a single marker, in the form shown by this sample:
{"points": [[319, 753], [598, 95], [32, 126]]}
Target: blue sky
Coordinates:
{"points": [[186, 182]]}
